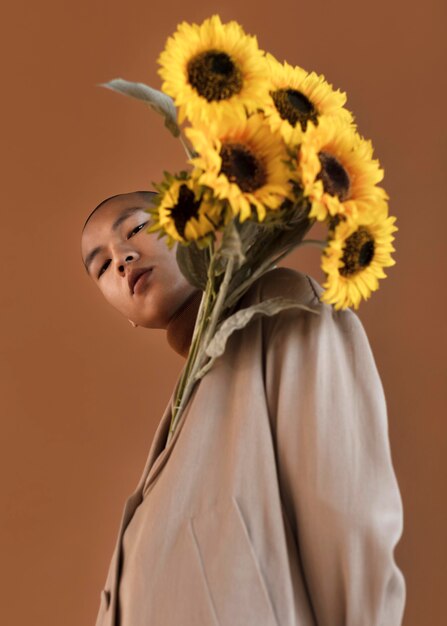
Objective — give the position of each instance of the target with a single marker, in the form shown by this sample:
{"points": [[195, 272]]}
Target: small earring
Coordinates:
{"points": [[132, 323]]}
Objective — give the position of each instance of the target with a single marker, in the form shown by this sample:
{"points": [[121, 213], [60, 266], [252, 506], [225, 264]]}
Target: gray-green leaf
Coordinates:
{"points": [[241, 318], [193, 263], [231, 247], [157, 100]]}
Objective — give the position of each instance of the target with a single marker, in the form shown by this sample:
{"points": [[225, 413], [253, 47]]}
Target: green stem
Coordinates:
{"points": [[316, 242], [197, 333], [206, 329], [202, 316], [218, 307], [190, 153], [269, 264], [183, 388], [207, 302]]}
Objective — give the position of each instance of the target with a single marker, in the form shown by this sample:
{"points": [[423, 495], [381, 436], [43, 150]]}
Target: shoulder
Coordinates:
{"points": [[322, 320], [286, 283], [289, 283]]}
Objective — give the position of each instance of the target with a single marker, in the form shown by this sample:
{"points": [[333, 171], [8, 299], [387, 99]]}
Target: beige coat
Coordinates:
{"points": [[276, 502]]}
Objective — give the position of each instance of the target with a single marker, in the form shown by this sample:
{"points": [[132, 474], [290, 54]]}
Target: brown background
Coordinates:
{"points": [[81, 390]]}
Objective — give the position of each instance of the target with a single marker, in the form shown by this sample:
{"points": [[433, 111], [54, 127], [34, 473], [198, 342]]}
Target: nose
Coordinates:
{"points": [[129, 258], [123, 258]]}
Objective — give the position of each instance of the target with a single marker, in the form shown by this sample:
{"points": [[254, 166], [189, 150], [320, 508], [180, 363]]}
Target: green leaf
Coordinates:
{"points": [[193, 263], [157, 100], [263, 242], [231, 247], [240, 319]]}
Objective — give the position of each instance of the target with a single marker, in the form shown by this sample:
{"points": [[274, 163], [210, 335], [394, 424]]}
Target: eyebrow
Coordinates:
{"points": [[122, 217]]}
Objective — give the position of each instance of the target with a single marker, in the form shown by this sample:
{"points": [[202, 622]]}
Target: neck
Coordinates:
{"points": [[181, 325]]}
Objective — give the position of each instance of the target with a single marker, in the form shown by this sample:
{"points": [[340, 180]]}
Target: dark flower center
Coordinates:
{"points": [[214, 75], [333, 222], [186, 208], [293, 106], [336, 181], [242, 167], [358, 252]]}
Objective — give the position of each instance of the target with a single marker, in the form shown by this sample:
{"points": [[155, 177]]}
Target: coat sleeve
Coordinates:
{"points": [[338, 486]]}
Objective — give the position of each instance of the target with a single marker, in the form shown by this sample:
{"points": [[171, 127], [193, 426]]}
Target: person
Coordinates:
{"points": [[275, 502]]}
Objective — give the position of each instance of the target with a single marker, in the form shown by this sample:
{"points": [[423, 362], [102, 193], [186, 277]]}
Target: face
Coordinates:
{"points": [[135, 271]]}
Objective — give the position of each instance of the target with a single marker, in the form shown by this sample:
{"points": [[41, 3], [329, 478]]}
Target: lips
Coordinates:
{"points": [[137, 277]]}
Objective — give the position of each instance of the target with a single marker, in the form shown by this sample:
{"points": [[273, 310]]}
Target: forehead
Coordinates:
{"points": [[101, 223]]}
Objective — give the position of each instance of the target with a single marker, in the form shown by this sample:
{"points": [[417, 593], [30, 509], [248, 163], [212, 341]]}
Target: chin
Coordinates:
{"points": [[156, 322], [152, 325], [160, 317]]}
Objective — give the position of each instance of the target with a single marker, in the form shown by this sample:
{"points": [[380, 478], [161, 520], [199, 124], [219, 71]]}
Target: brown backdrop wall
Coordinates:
{"points": [[81, 391]]}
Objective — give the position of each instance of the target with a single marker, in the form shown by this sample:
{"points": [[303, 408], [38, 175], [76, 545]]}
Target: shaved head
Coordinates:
{"points": [[146, 196]]}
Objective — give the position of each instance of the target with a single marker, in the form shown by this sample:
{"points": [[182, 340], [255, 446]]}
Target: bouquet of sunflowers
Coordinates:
{"points": [[271, 149]]}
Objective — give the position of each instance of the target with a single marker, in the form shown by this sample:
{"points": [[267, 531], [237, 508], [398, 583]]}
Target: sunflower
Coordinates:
{"points": [[297, 97], [244, 163], [353, 261], [337, 170], [185, 212], [213, 70]]}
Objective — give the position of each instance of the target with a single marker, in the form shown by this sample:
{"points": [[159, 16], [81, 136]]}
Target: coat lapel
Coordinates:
{"points": [[156, 450], [159, 462], [132, 503], [158, 455]]}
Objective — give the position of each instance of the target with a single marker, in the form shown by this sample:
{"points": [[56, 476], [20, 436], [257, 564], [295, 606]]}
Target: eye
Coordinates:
{"points": [[103, 268], [136, 229]]}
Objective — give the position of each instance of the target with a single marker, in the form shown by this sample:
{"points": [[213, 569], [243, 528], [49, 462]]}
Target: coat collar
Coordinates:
{"points": [[158, 455]]}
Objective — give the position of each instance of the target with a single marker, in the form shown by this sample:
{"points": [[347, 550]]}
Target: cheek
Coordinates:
{"points": [[167, 292], [169, 262], [115, 294]]}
